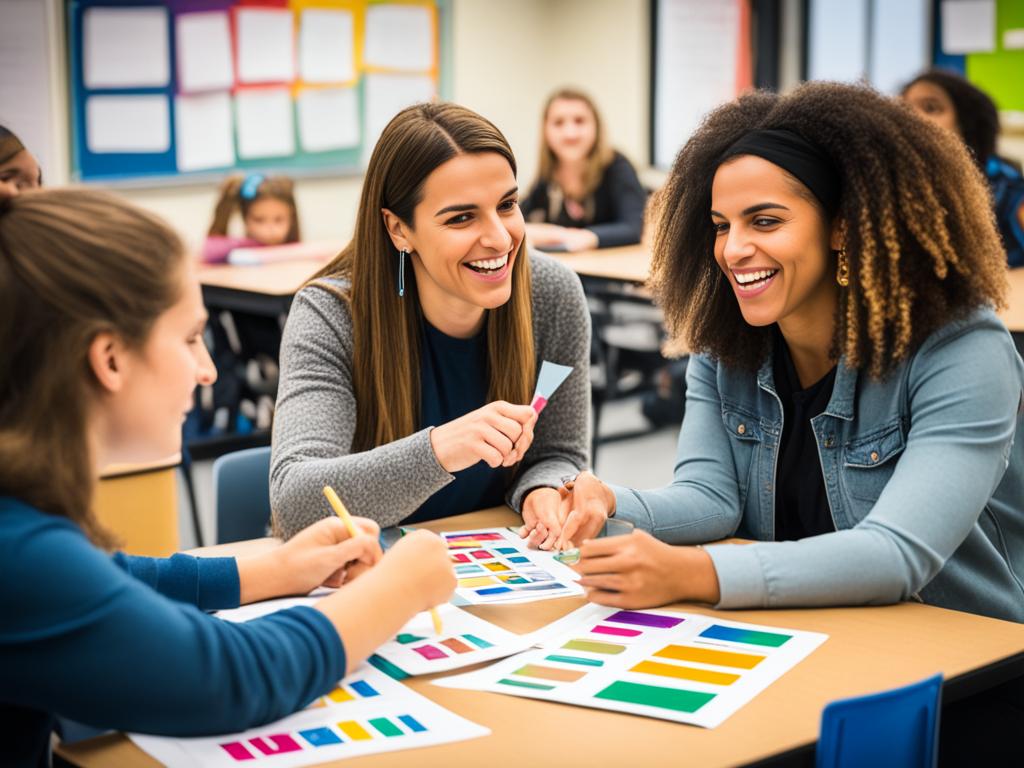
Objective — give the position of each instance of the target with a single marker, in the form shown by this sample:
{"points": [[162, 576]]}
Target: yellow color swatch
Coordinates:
{"points": [[354, 730], [476, 581], [340, 695], [685, 673], [496, 567], [710, 656]]}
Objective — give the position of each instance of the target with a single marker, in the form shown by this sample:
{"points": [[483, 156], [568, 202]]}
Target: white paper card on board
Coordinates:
{"points": [[328, 119], [203, 42], [132, 124], [125, 48], [1013, 39], [387, 95], [265, 49], [968, 26], [265, 124], [326, 46], [203, 131], [399, 37]]}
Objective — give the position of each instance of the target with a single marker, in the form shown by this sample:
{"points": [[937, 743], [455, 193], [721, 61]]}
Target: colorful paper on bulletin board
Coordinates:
{"points": [[494, 565], [688, 668], [367, 713], [203, 51], [401, 36], [1001, 73], [318, 62], [466, 640]]}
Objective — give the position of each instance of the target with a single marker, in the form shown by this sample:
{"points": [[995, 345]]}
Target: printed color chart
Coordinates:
{"points": [[367, 713], [674, 666], [466, 640], [495, 566]]}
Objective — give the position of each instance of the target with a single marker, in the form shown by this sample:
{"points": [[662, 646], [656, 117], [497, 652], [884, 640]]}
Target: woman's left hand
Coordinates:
{"points": [[638, 571], [322, 554], [544, 512], [579, 239]]}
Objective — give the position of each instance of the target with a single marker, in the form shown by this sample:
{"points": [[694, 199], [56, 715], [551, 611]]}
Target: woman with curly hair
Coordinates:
{"points": [[834, 260], [950, 101]]}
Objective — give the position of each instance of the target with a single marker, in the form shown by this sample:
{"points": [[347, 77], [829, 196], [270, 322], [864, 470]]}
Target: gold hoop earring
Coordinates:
{"points": [[843, 270]]}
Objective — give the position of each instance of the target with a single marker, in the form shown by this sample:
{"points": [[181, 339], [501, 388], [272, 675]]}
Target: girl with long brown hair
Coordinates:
{"points": [[855, 403], [586, 194], [408, 363], [101, 333], [267, 207]]}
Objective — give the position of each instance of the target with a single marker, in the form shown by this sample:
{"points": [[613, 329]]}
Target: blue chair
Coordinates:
{"points": [[892, 728], [241, 487]]}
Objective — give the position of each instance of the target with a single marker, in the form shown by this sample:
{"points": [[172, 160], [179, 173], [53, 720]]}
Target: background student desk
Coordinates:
{"points": [[868, 650]]}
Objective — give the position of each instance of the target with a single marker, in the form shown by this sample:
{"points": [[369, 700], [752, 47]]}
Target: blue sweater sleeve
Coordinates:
{"points": [[209, 583], [83, 638]]}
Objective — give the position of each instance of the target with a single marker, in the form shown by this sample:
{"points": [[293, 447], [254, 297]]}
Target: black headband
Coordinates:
{"points": [[792, 153]]}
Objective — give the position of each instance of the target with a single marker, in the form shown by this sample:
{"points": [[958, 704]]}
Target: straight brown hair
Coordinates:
{"points": [[601, 154], [73, 263], [275, 187], [386, 357]]}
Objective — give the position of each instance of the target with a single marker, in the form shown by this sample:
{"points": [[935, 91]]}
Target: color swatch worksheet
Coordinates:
{"points": [[675, 666], [465, 640], [494, 565], [367, 713]]}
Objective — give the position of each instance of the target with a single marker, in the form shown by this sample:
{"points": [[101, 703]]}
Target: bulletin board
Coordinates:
{"points": [[167, 90]]}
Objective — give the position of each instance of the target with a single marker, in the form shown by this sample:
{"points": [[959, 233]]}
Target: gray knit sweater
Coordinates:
{"points": [[316, 413]]}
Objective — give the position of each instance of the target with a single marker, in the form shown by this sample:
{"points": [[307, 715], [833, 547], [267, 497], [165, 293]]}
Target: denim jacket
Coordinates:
{"points": [[925, 482]]}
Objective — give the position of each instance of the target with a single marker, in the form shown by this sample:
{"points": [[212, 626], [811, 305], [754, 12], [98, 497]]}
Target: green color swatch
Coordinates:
{"points": [[655, 696]]}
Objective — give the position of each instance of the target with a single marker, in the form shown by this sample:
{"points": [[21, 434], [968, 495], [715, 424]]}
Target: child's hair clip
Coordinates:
{"points": [[251, 186]]}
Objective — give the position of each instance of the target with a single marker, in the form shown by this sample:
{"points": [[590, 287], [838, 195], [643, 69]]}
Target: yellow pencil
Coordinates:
{"points": [[346, 518]]}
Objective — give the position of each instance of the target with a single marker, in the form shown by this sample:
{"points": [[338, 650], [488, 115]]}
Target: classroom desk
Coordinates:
{"points": [[868, 650], [627, 264], [264, 289]]}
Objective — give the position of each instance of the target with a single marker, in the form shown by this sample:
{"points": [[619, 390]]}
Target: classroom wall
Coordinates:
{"points": [[506, 58]]}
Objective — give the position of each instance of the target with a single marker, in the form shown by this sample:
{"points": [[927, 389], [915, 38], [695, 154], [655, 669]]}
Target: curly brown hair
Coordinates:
{"points": [[919, 230]]}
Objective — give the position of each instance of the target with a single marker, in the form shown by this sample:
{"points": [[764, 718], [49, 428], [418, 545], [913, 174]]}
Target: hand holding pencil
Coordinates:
{"points": [[423, 549]]}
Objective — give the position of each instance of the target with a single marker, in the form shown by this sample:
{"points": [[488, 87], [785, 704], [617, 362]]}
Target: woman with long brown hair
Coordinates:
{"points": [[101, 333], [586, 195], [408, 363], [854, 406]]}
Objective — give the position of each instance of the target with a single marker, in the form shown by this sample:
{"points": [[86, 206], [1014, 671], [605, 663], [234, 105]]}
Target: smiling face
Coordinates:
{"points": [[932, 103], [156, 384], [465, 234], [268, 221], [773, 244], [570, 129]]}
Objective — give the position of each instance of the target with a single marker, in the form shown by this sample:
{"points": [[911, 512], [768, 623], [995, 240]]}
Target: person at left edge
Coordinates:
{"points": [[408, 364]]}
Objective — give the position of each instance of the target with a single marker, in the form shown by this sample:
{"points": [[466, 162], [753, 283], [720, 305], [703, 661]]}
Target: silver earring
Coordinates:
{"points": [[401, 274]]}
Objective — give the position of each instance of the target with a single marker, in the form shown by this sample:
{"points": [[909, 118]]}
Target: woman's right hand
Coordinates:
{"points": [[419, 561], [499, 434], [544, 235]]}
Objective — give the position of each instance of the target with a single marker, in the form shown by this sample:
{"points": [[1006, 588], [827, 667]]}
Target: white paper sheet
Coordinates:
{"points": [[465, 640], [368, 713], [265, 47], [387, 95], [494, 565], [837, 40], [125, 48], [203, 42], [139, 124], [266, 127], [399, 37], [901, 44], [203, 131], [328, 118], [326, 46], [688, 668], [968, 26]]}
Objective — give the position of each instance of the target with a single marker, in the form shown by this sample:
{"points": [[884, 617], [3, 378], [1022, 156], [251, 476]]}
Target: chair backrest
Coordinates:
{"points": [[897, 727], [241, 487]]}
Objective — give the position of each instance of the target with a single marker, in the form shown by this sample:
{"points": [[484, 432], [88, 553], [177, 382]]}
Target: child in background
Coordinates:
{"points": [[586, 194], [267, 205], [101, 323], [19, 170]]}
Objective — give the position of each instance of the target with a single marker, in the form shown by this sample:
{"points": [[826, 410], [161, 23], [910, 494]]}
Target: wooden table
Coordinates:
{"points": [[265, 289], [627, 264], [868, 650]]}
